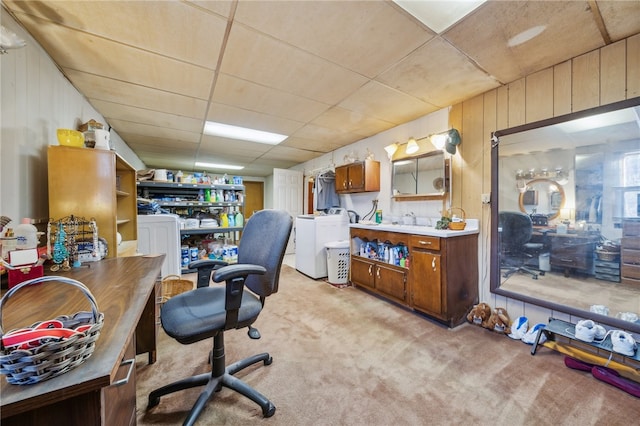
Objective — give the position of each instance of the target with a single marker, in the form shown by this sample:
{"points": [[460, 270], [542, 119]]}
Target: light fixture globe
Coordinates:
{"points": [[412, 146]]}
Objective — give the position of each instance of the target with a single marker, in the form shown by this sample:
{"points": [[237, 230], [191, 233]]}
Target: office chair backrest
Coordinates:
{"points": [[264, 242], [517, 229]]}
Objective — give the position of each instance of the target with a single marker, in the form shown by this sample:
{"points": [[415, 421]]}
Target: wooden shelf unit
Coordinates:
{"points": [[95, 183]]}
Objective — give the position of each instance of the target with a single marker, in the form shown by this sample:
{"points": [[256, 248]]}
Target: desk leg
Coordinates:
{"points": [[147, 330]]}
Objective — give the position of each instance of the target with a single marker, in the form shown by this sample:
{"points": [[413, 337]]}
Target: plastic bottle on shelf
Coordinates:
{"points": [[26, 235], [224, 220], [239, 219], [232, 220]]}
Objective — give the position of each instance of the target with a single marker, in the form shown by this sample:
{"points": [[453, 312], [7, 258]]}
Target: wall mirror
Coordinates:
{"points": [[423, 177], [577, 178]]}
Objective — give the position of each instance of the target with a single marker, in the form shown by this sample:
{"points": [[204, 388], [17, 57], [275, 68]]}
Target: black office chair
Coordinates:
{"points": [[208, 311], [516, 248]]}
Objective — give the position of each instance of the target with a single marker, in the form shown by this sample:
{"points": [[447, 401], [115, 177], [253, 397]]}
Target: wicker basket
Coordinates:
{"points": [[173, 285], [49, 348], [607, 256], [457, 226]]}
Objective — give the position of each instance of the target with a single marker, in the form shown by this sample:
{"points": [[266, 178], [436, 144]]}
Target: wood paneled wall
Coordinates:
{"points": [[600, 77]]}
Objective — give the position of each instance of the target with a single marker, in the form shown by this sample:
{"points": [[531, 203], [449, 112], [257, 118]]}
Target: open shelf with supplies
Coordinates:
{"points": [[209, 211]]}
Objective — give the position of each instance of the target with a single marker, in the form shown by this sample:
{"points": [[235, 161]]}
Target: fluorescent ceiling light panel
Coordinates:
{"points": [[218, 166], [212, 128], [439, 14]]}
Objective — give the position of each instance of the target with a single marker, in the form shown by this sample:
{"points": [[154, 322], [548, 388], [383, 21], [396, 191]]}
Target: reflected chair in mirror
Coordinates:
{"points": [[208, 311], [516, 248]]}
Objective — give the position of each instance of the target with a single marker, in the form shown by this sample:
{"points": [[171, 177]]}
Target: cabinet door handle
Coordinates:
{"points": [[378, 272], [433, 263], [424, 243], [370, 269], [132, 363]]}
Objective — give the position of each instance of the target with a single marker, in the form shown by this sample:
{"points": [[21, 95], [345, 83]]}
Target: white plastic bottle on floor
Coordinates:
{"points": [[26, 235]]}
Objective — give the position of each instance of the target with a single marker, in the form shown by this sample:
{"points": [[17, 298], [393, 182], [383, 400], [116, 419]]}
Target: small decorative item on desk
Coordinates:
{"points": [[48, 348], [457, 223]]}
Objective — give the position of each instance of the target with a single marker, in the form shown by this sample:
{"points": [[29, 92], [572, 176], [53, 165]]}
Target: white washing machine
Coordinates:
{"points": [[312, 233], [160, 233]]}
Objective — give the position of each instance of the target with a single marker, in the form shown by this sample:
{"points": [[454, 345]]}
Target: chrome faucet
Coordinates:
{"points": [[409, 218]]}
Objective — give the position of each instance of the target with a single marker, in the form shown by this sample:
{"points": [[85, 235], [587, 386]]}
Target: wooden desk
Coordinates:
{"points": [[125, 291]]}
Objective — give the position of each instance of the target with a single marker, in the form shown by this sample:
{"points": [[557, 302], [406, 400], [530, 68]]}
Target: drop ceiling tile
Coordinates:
{"points": [[112, 111], [267, 100], [106, 89], [326, 134], [385, 103], [312, 145], [124, 127], [173, 29], [450, 79], [276, 64], [85, 52], [151, 142], [291, 154], [363, 36], [483, 36], [351, 122], [615, 15]]}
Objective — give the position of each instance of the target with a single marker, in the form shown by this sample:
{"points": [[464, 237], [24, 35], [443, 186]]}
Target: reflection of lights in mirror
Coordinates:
{"points": [[559, 175]]}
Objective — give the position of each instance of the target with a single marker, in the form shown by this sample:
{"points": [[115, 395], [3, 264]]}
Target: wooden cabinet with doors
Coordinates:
{"points": [[444, 276], [371, 269], [361, 176], [95, 183], [438, 277]]}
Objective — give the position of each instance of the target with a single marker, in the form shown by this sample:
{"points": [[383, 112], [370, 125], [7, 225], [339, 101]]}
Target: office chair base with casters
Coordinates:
{"points": [[524, 269], [219, 377]]}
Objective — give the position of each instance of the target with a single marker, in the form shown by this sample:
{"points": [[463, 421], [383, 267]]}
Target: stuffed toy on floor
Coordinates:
{"points": [[479, 314], [499, 321]]}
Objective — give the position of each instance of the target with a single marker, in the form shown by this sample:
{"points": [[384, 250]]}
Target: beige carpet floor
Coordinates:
{"points": [[345, 357]]}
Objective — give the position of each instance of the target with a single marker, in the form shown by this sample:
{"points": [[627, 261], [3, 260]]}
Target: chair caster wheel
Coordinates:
{"points": [[542, 273], [268, 361], [269, 410]]}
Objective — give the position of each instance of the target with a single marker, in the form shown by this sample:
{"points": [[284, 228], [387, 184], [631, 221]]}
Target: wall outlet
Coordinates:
{"points": [[486, 198]]}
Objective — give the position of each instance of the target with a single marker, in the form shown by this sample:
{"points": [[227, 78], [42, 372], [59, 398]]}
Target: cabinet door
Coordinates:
{"points": [[356, 177], [362, 272], [391, 282], [342, 176], [426, 284]]}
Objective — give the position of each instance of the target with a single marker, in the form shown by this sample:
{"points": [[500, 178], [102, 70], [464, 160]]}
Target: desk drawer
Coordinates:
{"points": [[630, 257], [630, 242], [628, 271]]}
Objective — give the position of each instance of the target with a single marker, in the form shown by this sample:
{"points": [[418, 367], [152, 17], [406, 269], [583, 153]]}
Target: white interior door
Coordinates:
{"points": [[288, 195]]}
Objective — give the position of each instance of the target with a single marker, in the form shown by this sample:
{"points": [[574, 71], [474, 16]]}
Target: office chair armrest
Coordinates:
{"points": [[234, 276], [197, 264], [204, 268], [237, 270]]}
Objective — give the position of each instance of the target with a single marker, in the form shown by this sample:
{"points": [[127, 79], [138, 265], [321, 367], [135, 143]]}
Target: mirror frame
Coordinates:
{"points": [[494, 274], [551, 181]]}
